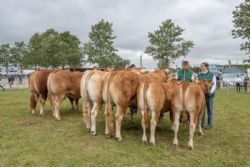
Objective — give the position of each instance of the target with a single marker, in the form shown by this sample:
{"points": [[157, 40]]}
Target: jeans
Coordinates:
{"points": [[210, 108]]}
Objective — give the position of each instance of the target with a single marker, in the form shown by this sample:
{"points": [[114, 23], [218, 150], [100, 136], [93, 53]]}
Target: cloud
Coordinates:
{"points": [[206, 22]]}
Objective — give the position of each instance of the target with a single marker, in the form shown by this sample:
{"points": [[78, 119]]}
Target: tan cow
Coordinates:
{"points": [[92, 84], [190, 98], [122, 89], [38, 89], [154, 96], [160, 75], [177, 97], [62, 84]]}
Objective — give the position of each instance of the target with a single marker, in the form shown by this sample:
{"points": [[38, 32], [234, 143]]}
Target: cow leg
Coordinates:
{"points": [[72, 103], [171, 120], [77, 104], [176, 116], [144, 123], [42, 100], [121, 110], [109, 126], [33, 102], [86, 112], [94, 113], [50, 97], [153, 123], [191, 130], [57, 104], [199, 122]]}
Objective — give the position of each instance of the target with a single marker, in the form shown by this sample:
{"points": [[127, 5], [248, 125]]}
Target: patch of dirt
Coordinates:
{"points": [[26, 123]]}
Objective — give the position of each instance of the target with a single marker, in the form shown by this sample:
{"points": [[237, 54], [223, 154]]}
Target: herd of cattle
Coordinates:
{"points": [[151, 91]]}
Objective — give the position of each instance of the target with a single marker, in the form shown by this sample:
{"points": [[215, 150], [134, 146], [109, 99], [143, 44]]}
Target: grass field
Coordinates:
{"points": [[27, 140]]}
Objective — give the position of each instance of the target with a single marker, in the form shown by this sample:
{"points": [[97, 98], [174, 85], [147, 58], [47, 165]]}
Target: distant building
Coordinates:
{"points": [[233, 70], [216, 67]]}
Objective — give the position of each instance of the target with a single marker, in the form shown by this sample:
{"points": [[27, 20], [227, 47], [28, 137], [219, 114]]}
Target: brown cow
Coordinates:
{"points": [[190, 98], [120, 89], [160, 75], [173, 96], [63, 84], [38, 89], [92, 83], [156, 97]]}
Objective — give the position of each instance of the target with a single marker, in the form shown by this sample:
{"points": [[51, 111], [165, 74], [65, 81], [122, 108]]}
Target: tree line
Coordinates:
{"points": [[53, 49]]}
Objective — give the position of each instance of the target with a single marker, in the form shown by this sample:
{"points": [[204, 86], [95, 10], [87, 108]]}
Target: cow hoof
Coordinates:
{"points": [[152, 143], [42, 115], [88, 129], [191, 148], [201, 134], [107, 135], [176, 146], [57, 119], [93, 133], [118, 138], [145, 142]]}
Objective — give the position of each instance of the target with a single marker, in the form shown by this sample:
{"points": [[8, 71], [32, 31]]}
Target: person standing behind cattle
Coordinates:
{"points": [[185, 74], [205, 74]]}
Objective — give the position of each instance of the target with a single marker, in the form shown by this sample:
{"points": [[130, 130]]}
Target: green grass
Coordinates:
{"points": [[27, 140]]}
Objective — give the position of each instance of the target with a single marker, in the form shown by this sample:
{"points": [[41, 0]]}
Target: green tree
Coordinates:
{"points": [[162, 63], [17, 54], [99, 49], [51, 55], [33, 57], [5, 56], [53, 49], [70, 50], [241, 21], [167, 43]]}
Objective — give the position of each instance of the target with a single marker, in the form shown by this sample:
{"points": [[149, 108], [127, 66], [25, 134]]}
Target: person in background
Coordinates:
{"points": [[1, 86], [205, 74], [185, 74], [246, 80], [11, 80], [20, 78], [237, 82]]}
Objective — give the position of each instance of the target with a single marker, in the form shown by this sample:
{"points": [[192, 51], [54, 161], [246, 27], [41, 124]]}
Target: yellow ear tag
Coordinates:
{"points": [[210, 84], [197, 81]]}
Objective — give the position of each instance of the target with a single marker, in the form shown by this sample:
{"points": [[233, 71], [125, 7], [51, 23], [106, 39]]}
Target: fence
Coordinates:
{"points": [[16, 84]]}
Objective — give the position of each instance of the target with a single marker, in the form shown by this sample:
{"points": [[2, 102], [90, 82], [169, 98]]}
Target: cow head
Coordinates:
{"points": [[205, 85]]}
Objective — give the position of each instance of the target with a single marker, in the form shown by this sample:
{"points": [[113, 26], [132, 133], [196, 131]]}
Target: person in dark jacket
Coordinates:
{"points": [[11, 80], [246, 80]]}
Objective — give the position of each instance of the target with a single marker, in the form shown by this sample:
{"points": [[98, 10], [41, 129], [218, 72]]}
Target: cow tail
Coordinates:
{"points": [[84, 91], [145, 105]]}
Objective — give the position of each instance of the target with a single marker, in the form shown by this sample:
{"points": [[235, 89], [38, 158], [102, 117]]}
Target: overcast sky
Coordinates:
{"points": [[208, 23]]}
